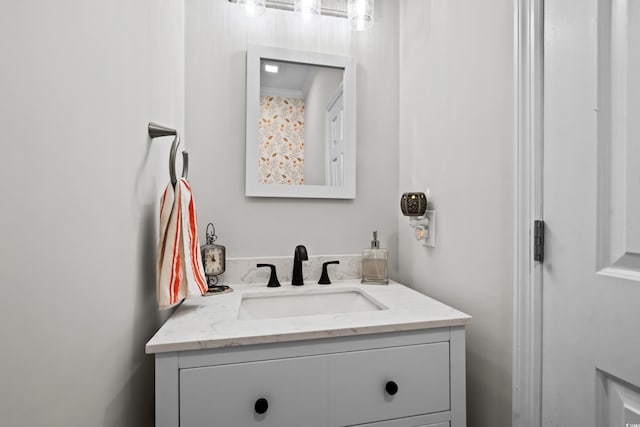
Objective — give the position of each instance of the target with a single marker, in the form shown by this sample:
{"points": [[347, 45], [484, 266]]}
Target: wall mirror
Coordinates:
{"points": [[301, 124]]}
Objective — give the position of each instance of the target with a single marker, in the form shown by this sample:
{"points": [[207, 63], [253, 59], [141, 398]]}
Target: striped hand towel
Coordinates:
{"points": [[179, 268]]}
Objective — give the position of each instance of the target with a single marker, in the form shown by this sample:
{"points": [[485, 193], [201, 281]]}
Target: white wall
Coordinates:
{"points": [[80, 182], [456, 139], [217, 35]]}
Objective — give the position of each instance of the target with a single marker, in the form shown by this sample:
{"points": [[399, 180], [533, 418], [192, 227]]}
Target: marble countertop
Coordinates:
{"points": [[212, 321]]}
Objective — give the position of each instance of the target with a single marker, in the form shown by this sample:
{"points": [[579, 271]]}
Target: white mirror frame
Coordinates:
{"points": [[253, 188]]}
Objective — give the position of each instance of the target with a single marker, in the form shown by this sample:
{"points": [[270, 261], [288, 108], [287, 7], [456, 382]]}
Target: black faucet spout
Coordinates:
{"points": [[299, 255]]}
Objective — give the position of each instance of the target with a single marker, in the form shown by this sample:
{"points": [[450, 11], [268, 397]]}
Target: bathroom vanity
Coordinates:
{"points": [[339, 355]]}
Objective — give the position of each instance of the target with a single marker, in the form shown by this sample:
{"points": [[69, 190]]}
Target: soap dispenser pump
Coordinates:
{"points": [[374, 263]]}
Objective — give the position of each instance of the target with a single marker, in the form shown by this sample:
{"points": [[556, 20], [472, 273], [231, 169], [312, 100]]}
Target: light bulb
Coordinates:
{"points": [[307, 9], [360, 14], [253, 7]]}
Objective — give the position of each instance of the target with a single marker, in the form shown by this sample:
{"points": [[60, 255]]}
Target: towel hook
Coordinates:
{"points": [[156, 131]]}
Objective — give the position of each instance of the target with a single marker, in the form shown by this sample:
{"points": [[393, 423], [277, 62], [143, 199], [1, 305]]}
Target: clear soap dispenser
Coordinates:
{"points": [[374, 263]]}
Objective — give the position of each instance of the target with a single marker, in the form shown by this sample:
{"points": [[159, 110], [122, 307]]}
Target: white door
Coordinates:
{"points": [[334, 145], [591, 204]]}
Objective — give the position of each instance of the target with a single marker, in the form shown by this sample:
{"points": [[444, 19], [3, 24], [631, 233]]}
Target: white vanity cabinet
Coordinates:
{"points": [[394, 379]]}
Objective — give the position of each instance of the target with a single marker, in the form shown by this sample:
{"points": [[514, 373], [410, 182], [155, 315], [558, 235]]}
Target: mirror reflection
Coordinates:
{"points": [[300, 131]]}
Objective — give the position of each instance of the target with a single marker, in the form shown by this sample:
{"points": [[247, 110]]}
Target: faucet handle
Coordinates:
{"points": [[324, 278], [273, 279]]}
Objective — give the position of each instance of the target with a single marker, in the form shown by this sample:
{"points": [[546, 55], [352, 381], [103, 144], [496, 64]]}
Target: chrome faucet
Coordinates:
{"points": [[299, 255]]}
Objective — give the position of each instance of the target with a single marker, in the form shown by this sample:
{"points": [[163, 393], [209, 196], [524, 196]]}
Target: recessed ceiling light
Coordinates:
{"points": [[269, 68]]}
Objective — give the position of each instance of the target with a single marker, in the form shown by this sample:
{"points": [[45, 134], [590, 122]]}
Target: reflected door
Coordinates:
{"points": [[334, 151]]}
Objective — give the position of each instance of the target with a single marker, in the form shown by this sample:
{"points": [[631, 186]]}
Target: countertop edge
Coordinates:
{"points": [[303, 335]]}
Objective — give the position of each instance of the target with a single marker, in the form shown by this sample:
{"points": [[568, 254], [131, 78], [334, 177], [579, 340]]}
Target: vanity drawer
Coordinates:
{"points": [[295, 391], [362, 383], [404, 423]]}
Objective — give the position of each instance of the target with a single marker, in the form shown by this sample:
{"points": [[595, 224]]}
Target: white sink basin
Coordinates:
{"points": [[295, 303]]}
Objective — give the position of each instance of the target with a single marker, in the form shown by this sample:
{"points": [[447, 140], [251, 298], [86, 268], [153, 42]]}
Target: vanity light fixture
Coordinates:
{"points": [[414, 205], [270, 68], [306, 9], [360, 14], [253, 7]]}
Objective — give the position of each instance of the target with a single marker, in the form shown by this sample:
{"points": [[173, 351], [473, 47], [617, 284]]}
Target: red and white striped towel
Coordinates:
{"points": [[179, 268]]}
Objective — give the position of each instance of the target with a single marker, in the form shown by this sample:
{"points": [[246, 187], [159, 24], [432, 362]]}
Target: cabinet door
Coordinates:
{"points": [[294, 393], [389, 383]]}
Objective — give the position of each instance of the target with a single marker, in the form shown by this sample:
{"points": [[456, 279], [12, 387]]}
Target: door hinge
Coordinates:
{"points": [[538, 240]]}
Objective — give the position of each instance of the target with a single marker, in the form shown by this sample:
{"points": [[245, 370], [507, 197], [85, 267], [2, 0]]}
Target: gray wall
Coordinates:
{"points": [[80, 183], [217, 35], [456, 139]]}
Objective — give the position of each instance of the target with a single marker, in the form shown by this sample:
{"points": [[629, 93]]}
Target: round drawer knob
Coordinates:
{"points": [[391, 388], [261, 405]]}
